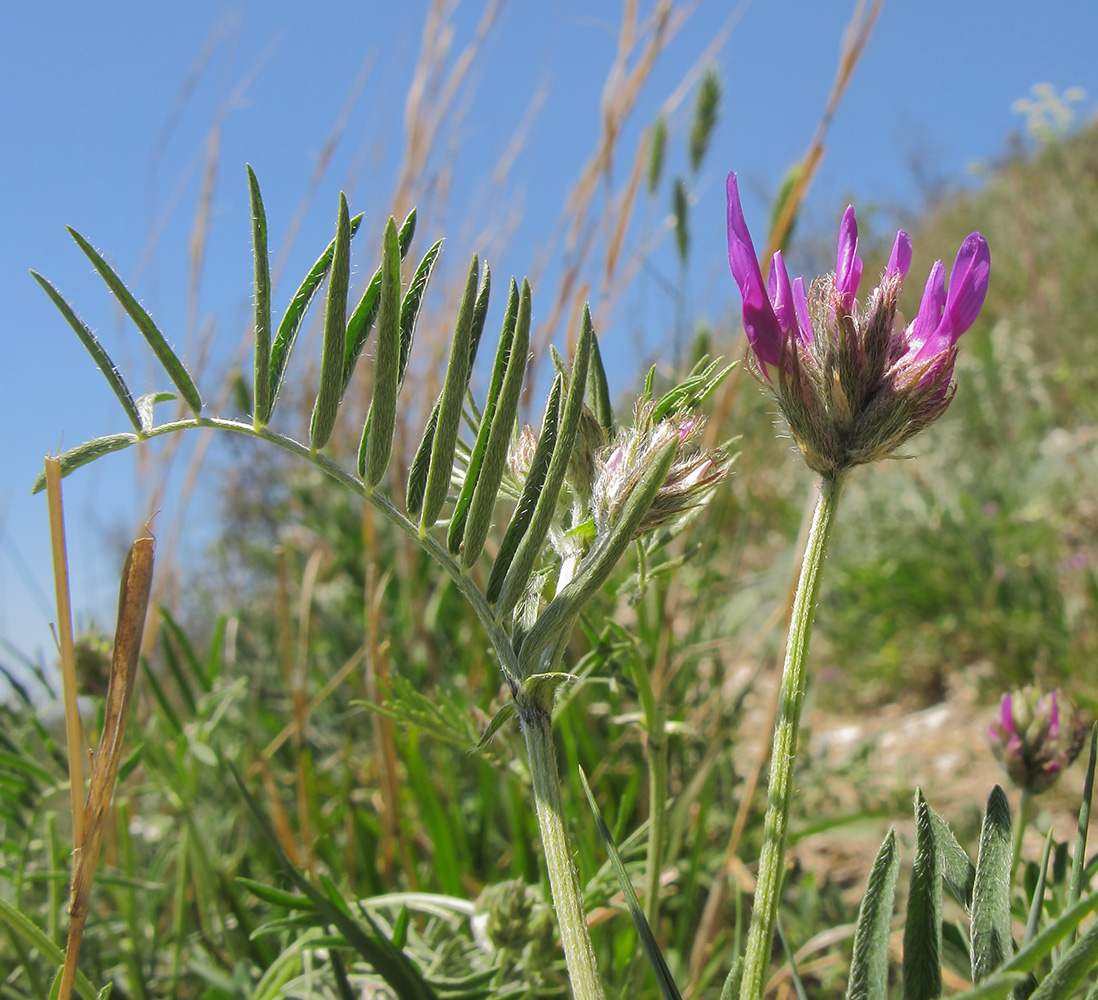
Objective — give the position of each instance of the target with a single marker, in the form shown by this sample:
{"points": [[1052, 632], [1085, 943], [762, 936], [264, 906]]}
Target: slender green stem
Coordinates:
{"points": [[656, 726], [1025, 808], [579, 955], [783, 755]]}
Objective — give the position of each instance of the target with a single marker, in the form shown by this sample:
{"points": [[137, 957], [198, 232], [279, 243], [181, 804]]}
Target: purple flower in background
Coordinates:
{"points": [[853, 381], [1029, 741]]}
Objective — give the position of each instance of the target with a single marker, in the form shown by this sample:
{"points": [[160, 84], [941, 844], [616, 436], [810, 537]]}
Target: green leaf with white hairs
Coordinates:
{"points": [[958, 871], [504, 714], [664, 979], [87, 452], [291, 322], [1074, 966], [869, 965], [991, 940], [95, 349], [561, 612], [1037, 903], [997, 986], [421, 464], [164, 354], [374, 457], [330, 393], [262, 291], [362, 318], [501, 427], [531, 545], [922, 972], [449, 405], [458, 520], [532, 490], [145, 406], [598, 390], [412, 305]]}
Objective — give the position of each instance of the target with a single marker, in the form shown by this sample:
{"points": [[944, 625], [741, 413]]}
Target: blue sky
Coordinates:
{"points": [[91, 140]]}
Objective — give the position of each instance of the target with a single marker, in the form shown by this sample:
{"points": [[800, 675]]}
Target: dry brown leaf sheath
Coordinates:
{"points": [[133, 603]]}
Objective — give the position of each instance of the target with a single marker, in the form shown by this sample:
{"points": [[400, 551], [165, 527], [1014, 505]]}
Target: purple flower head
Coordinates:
{"points": [[853, 383]]}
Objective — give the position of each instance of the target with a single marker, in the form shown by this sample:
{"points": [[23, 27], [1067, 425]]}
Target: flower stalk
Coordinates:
{"points": [[783, 754]]}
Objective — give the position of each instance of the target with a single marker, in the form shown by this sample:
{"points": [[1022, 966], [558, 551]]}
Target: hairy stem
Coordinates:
{"points": [[783, 755], [579, 955]]}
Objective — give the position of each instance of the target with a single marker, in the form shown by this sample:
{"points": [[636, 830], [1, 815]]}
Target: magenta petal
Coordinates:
{"points": [[968, 283], [759, 320], [1006, 714], [1054, 718], [800, 303], [781, 295], [900, 259], [848, 265], [930, 313]]}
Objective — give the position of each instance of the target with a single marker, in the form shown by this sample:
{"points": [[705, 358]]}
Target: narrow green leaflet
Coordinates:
{"points": [[458, 519], [958, 871], [1074, 966], [87, 452], [421, 464], [531, 491], [362, 319], [449, 405], [922, 971], [1078, 861], [530, 547], [648, 940], [502, 425], [869, 964], [413, 303], [374, 457], [164, 354], [992, 942], [291, 322], [261, 386], [30, 932], [1037, 903], [330, 393], [95, 349], [598, 390]]}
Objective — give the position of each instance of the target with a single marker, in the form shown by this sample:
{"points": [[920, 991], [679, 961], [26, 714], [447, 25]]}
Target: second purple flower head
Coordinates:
{"points": [[854, 382]]}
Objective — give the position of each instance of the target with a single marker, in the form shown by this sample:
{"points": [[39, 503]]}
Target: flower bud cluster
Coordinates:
{"points": [[1031, 741], [853, 381], [694, 474]]}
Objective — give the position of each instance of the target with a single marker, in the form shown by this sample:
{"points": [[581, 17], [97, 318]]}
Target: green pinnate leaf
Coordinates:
{"points": [[262, 281], [992, 943], [382, 416], [88, 452], [869, 965], [922, 971]]}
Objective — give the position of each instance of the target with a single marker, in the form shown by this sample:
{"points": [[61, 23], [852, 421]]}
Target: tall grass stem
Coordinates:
{"points": [[783, 756]]}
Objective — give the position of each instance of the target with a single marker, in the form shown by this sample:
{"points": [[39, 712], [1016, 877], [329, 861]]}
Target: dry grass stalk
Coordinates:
{"points": [[73, 739], [133, 603]]}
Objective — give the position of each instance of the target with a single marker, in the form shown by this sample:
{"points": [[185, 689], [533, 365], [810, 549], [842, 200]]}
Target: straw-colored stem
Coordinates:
{"points": [[579, 955], [783, 756], [68, 655]]}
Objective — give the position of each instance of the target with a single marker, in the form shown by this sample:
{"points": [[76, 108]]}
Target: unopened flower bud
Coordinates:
{"points": [[1030, 739]]}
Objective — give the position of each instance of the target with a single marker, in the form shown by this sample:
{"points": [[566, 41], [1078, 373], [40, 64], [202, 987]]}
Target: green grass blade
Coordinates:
{"points": [[1074, 966], [486, 491], [922, 972], [1027, 959], [648, 940], [330, 393], [362, 319], [164, 354], [531, 491], [995, 987], [992, 942], [530, 547], [598, 390], [382, 416], [958, 871], [198, 672], [455, 537], [421, 465], [292, 319], [1078, 861], [95, 349], [87, 452], [449, 405], [26, 930], [869, 964], [1037, 904], [262, 280]]}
